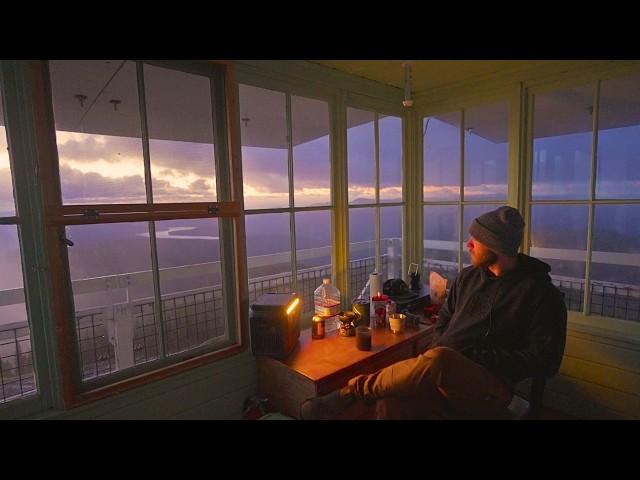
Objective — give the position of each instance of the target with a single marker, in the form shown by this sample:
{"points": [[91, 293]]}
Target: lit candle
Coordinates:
{"points": [[317, 327]]}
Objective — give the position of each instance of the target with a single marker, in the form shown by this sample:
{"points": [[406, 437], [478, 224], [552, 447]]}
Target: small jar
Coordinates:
{"points": [[380, 310], [317, 327]]}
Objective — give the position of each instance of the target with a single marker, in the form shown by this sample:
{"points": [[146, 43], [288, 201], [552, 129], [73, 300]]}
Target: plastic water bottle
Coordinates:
{"points": [[326, 299]]}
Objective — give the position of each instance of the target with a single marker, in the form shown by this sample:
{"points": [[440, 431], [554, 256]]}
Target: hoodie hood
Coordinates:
{"points": [[532, 266]]}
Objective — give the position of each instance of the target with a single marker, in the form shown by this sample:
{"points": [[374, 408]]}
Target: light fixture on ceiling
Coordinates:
{"points": [[81, 98], [408, 100], [115, 102]]}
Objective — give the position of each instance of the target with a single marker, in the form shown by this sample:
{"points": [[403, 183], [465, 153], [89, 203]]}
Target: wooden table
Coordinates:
{"points": [[317, 367]]}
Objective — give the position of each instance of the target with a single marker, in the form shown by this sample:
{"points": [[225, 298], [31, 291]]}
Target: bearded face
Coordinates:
{"points": [[480, 254]]}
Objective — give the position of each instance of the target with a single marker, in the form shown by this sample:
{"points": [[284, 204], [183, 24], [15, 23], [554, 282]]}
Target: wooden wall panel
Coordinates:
{"points": [[599, 378], [215, 391]]}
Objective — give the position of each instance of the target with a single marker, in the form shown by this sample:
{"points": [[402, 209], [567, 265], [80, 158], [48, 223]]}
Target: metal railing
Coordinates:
{"points": [[195, 316], [191, 318]]}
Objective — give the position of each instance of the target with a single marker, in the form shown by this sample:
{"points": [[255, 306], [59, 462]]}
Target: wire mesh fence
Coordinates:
{"points": [[194, 317]]}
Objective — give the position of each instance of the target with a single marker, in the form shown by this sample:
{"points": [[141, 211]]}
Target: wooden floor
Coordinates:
{"points": [[551, 414]]}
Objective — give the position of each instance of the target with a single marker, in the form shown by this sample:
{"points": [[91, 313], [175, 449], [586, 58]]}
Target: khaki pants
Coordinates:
{"points": [[435, 384]]}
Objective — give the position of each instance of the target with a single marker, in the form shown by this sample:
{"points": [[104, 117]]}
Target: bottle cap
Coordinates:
{"points": [[326, 281]]}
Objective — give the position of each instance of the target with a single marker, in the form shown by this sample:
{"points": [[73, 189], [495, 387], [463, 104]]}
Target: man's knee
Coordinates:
{"points": [[441, 357]]}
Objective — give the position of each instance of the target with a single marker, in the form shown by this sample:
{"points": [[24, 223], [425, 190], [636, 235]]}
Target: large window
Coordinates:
{"points": [[374, 155], [17, 376], [585, 201], [286, 165], [147, 212], [465, 175]]}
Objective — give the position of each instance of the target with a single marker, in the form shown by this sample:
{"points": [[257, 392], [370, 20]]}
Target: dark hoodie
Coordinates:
{"points": [[513, 325]]}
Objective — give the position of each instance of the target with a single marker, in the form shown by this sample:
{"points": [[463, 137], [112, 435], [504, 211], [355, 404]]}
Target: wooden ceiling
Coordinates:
{"points": [[427, 74]]}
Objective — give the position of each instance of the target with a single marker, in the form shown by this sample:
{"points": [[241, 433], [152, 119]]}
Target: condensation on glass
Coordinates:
{"points": [[391, 241], [17, 375], [441, 239], [113, 294], [618, 171], [562, 136], [486, 146], [180, 125], [313, 253], [361, 156], [191, 283], [615, 268], [269, 253], [263, 134], [362, 247], [559, 238], [98, 133], [441, 157], [17, 371], [311, 167], [7, 204], [390, 154]]}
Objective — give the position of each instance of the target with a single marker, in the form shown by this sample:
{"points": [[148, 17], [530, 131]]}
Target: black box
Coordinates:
{"points": [[274, 332], [412, 303]]}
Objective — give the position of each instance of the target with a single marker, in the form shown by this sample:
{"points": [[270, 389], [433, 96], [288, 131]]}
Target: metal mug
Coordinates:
{"points": [[361, 308]]}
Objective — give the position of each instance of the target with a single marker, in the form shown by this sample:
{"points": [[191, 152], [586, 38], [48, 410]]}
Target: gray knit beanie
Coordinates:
{"points": [[500, 230]]}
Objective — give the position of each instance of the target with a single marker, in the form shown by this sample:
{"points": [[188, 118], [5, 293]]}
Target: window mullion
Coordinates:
{"points": [[229, 188], [292, 215], [460, 203], [586, 307], [376, 154], [157, 303]]}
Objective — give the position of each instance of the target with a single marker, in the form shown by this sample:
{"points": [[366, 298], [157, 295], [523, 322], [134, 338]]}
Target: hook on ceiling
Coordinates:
{"points": [[408, 99]]}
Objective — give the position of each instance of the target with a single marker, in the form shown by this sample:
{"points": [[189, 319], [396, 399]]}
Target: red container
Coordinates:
{"points": [[380, 310]]}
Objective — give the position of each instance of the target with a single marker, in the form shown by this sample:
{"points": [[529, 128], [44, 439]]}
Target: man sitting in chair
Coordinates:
{"points": [[503, 321]]}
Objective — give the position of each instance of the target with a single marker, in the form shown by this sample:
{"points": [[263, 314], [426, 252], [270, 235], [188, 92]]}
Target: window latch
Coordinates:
{"points": [[213, 209], [91, 213], [66, 241]]}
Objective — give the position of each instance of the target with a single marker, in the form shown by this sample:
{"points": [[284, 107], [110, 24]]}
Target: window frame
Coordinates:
{"points": [[377, 110], [584, 316], [17, 86], [291, 209], [460, 202], [227, 209]]}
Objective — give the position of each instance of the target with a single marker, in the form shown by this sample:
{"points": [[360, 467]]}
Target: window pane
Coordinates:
{"points": [[485, 152], [559, 238], [113, 296], [97, 121], [269, 253], [180, 127], [17, 378], [361, 156], [562, 144], [441, 239], [313, 253], [470, 213], [263, 129], [190, 283], [362, 247], [7, 205], [615, 271], [390, 139], [441, 149], [391, 241], [310, 127], [619, 139]]}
